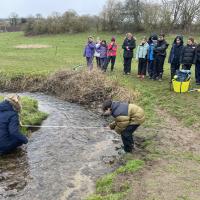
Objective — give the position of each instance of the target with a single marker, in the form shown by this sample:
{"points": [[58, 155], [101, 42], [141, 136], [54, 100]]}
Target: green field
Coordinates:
{"points": [[162, 107], [66, 51]]}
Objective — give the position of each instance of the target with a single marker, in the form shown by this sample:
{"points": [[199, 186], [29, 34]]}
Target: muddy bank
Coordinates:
{"points": [[61, 163], [79, 87]]}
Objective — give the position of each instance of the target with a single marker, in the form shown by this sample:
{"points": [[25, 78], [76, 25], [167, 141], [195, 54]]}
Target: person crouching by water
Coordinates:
{"points": [[10, 136], [128, 117]]}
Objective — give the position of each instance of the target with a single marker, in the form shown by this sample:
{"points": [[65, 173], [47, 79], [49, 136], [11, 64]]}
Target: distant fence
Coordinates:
{"points": [[10, 28]]}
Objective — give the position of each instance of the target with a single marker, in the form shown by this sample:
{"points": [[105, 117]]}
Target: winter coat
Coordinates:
{"points": [[126, 114], [188, 54], [142, 51], [97, 53], [131, 44], [176, 51], [112, 49], [197, 54], [160, 48], [89, 50], [150, 55], [9, 127], [103, 49]]}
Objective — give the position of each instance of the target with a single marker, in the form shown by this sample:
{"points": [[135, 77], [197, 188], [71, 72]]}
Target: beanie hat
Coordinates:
{"points": [[113, 39]]}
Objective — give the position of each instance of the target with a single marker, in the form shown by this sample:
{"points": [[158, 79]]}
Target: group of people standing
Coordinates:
{"points": [[150, 55], [104, 53]]}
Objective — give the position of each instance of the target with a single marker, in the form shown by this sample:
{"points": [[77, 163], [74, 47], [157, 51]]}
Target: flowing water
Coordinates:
{"points": [[59, 163]]}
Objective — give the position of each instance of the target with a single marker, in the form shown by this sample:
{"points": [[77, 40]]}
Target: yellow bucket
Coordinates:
{"points": [[181, 87]]}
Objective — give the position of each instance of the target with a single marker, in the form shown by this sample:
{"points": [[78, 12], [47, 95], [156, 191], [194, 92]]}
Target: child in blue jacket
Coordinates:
{"points": [[150, 56]]}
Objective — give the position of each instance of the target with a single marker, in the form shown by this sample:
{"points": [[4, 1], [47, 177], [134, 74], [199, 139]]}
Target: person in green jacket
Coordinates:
{"points": [[128, 117]]}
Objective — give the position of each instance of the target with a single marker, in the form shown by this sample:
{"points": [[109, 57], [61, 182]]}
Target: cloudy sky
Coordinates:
{"points": [[31, 7]]}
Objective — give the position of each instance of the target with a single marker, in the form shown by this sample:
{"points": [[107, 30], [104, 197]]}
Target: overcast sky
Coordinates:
{"points": [[45, 7]]}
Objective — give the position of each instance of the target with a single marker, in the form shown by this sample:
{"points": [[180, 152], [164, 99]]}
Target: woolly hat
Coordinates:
{"points": [[113, 39], [14, 100]]}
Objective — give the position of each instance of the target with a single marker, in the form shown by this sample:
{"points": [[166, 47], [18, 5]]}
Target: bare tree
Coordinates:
{"points": [[190, 11]]}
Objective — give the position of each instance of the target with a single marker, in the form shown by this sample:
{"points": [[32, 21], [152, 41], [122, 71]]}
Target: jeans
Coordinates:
{"points": [[90, 62], [103, 62]]}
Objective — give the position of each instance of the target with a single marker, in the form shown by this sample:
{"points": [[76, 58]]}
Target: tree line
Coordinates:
{"points": [[121, 16]]}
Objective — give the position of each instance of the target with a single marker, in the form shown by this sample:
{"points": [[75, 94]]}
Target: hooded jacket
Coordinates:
{"points": [[103, 49], [142, 50], [131, 45], [161, 48], [126, 114], [176, 51], [112, 49], [89, 50], [9, 127], [188, 54]]}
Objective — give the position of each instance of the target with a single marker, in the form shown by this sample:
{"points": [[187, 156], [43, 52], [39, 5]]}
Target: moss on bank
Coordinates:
{"points": [[30, 114]]}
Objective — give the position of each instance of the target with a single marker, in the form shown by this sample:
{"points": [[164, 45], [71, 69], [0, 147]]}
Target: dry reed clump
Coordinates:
{"points": [[22, 82], [86, 88]]}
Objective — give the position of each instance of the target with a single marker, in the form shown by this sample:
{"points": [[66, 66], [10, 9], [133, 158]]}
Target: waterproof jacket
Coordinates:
{"points": [[112, 49], [197, 54], [188, 54], [126, 114], [142, 50], [150, 55], [9, 127], [89, 50], [131, 44], [103, 49], [97, 53], [160, 48]]}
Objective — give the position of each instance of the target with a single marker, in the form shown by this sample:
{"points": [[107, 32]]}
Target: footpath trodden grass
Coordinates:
{"points": [[171, 129]]}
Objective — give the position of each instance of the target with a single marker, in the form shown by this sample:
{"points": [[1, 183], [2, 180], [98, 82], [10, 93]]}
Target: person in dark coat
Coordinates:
{"points": [[175, 54], [128, 46], [188, 54], [10, 136], [128, 117], [197, 64], [160, 55]]}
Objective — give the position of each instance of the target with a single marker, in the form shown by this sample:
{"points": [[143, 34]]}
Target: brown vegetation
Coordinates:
{"points": [[83, 87]]}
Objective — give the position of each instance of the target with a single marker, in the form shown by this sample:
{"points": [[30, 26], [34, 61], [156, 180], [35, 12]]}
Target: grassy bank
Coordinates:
{"points": [[106, 187], [30, 114], [65, 52]]}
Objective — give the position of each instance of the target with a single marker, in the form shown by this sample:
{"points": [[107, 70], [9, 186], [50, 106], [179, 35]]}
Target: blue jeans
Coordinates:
{"points": [[104, 62]]}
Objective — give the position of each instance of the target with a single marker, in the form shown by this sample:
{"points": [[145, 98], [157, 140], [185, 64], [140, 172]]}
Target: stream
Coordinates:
{"points": [[60, 163]]}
